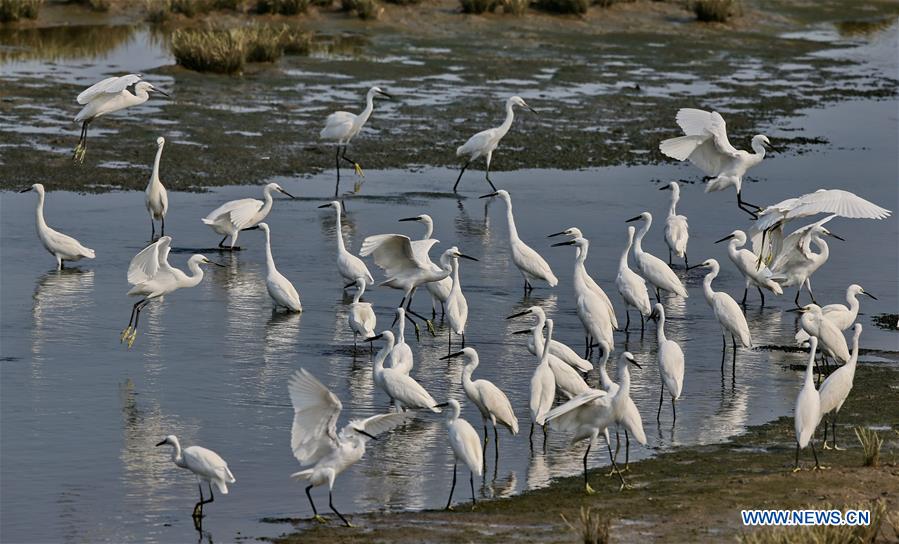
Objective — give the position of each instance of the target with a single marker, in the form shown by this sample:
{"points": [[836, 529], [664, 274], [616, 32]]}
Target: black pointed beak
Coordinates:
{"points": [[376, 337], [772, 148], [163, 93], [869, 294], [556, 234], [632, 219], [328, 205], [525, 331], [408, 219], [700, 265], [568, 243], [635, 363], [470, 258], [161, 444], [665, 188], [25, 190], [215, 263], [286, 193], [838, 237], [532, 110], [385, 95], [519, 314], [451, 355], [488, 196], [728, 237]]}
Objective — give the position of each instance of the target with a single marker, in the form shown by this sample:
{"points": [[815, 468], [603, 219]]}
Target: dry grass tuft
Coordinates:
{"points": [[213, 50], [715, 11], [590, 528], [282, 7], [515, 7], [14, 10], [364, 9], [825, 534], [577, 7], [871, 443]]}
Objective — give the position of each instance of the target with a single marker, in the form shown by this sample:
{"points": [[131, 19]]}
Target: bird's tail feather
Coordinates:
{"points": [[302, 475]]}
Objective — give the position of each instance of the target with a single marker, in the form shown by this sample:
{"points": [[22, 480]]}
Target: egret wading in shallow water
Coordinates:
{"points": [[402, 389], [484, 143], [651, 267], [631, 286], [747, 263], [157, 198], [796, 262], [440, 290], [580, 271], [543, 387], [568, 380], [531, 265], [362, 317], [283, 293], [705, 144], [206, 465], [61, 246], [317, 444], [107, 96], [232, 217], [456, 306], [835, 389], [807, 414], [343, 126], [466, 446], [625, 411], [400, 357], [727, 313], [152, 277], [490, 400], [556, 348], [677, 231], [350, 267], [839, 314], [671, 364], [830, 337]]}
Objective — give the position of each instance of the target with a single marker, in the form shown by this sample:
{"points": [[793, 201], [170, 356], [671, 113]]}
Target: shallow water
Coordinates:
{"points": [[81, 413]]}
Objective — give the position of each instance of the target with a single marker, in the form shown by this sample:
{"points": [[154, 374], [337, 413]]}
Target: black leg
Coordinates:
{"points": [[531, 436], [495, 447], [746, 206], [463, 340], [471, 480], [308, 494], [222, 243], [669, 257], [796, 466], [661, 398], [488, 177], [743, 302], [642, 322], [586, 453], [163, 226], [331, 504], [628, 314], [808, 286], [673, 413], [814, 453], [627, 451], [452, 487], [686, 264], [337, 164], [658, 295], [458, 179], [198, 508], [761, 294], [833, 424], [796, 300], [152, 229]]}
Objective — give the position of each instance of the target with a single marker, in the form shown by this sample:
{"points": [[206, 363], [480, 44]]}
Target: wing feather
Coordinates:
{"points": [[111, 85], [146, 264], [315, 413]]}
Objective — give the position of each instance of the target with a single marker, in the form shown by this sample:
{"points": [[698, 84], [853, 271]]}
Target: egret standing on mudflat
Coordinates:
{"points": [[283, 293], [466, 446], [483, 143], [796, 262], [157, 198], [61, 246], [807, 414], [830, 337], [705, 144], [232, 217], [839, 314], [631, 286], [350, 267], [343, 126], [671, 364], [835, 389], [727, 313], [440, 289], [651, 267], [677, 232], [362, 317], [107, 96], [314, 438], [206, 465], [531, 265], [748, 265]]}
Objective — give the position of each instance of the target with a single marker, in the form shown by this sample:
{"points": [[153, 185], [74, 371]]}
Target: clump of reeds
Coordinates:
{"points": [[871, 443], [296, 42], [364, 9], [14, 10], [158, 11], [590, 527], [213, 50], [477, 6], [263, 44], [715, 11], [564, 6], [515, 7], [282, 7], [824, 534]]}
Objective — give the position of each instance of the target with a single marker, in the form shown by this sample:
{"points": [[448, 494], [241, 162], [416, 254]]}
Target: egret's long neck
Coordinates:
{"points": [[660, 334], [429, 230], [732, 249], [507, 124], [759, 149], [707, 285], [155, 177], [810, 371], [39, 212], [852, 299], [622, 262], [140, 97], [401, 330], [340, 246], [360, 288], [624, 378], [544, 353], [825, 249], [853, 357], [176, 454], [457, 287], [672, 208], [382, 355], [196, 275], [513, 232], [604, 380], [638, 241], [268, 252], [366, 113], [468, 370]]}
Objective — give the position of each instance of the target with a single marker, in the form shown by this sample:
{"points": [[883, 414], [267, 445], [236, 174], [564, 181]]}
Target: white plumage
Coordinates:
{"points": [[466, 446], [727, 311], [61, 246], [568, 381], [830, 337], [543, 383], [283, 293], [839, 314], [456, 305], [531, 265], [439, 289], [362, 317], [653, 269], [677, 231], [671, 364], [748, 264], [407, 393], [580, 270], [556, 348], [796, 262], [807, 413], [631, 286], [236, 215], [835, 389], [350, 267], [206, 465], [401, 357], [156, 197], [625, 411]]}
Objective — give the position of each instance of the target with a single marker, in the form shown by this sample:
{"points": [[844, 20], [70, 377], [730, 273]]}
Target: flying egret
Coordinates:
{"points": [[835, 389], [631, 286], [581, 271], [747, 263], [556, 348], [317, 444], [61, 246], [677, 232], [206, 465], [343, 126], [407, 393], [440, 289], [456, 306], [839, 314], [671, 364], [807, 414], [543, 386], [466, 446], [568, 380], [651, 267], [484, 143], [490, 400], [350, 267], [236, 215], [153, 277], [157, 198], [361, 317], [830, 337], [625, 411], [705, 144], [531, 265], [283, 293], [796, 262], [727, 313], [107, 96], [401, 355]]}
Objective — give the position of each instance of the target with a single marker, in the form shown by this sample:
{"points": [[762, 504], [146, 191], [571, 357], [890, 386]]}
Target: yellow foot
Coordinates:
{"points": [[357, 187], [431, 328], [359, 171], [78, 154], [588, 490], [797, 469], [627, 468], [837, 448], [319, 519], [825, 446], [450, 508], [350, 525], [624, 486], [131, 338], [611, 473], [821, 467], [417, 332], [125, 333]]}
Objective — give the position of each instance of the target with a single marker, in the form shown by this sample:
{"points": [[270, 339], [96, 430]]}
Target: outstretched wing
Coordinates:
{"points": [[392, 253], [110, 85], [146, 264], [796, 247], [315, 413], [378, 424], [711, 155], [837, 202]]}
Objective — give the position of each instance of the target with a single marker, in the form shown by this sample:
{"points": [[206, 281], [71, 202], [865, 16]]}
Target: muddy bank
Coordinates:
{"points": [[607, 87], [690, 494]]}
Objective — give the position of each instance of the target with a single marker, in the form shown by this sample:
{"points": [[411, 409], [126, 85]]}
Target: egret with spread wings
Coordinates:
{"points": [[796, 262], [236, 215]]}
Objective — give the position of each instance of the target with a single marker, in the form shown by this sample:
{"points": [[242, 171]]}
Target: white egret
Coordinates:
{"points": [[625, 411], [484, 143], [671, 364], [840, 315], [705, 144], [531, 265], [61, 246], [456, 306], [677, 232], [651, 267], [556, 348], [283, 293], [108, 96], [747, 263], [350, 267], [440, 289], [727, 313], [362, 317], [343, 126], [490, 400], [796, 262], [631, 286], [407, 393], [314, 438], [236, 215], [580, 271], [206, 465], [807, 414], [543, 386], [835, 389], [568, 381], [153, 277], [401, 357], [466, 446], [830, 337], [157, 198]]}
